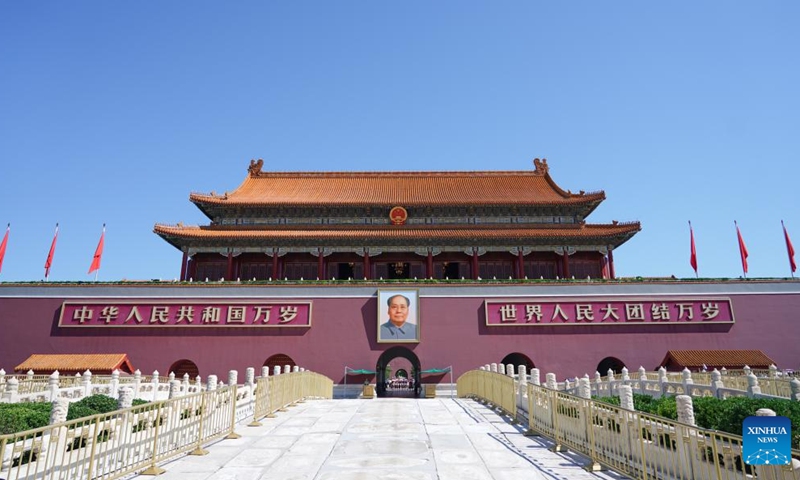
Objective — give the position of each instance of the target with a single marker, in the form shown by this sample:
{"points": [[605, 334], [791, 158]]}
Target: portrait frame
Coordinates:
{"points": [[413, 318]]}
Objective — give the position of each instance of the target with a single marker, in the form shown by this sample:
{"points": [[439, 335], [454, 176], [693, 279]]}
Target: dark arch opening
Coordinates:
{"points": [[612, 363], [278, 360], [383, 361], [182, 367], [518, 359]]}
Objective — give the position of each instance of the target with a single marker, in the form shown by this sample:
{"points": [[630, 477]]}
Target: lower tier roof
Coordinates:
{"points": [[367, 235]]}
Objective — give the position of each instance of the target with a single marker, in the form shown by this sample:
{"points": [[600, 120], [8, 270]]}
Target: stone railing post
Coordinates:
{"points": [[795, 386], [482, 368], [501, 369], [2, 376], [52, 386], [626, 378], [773, 371], [716, 383], [723, 371], [199, 382], [58, 410], [185, 384], [265, 372], [154, 382], [584, 387], [295, 368], [276, 370], [250, 377], [752, 385], [536, 376], [663, 380], [550, 381], [685, 409], [510, 370], [171, 377], [174, 389], [642, 380], [626, 397], [747, 370], [29, 375], [114, 383], [493, 368], [488, 367], [687, 381], [86, 382], [610, 379], [12, 390], [287, 369], [137, 382], [598, 384], [567, 384], [211, 383], [233, 378], [522, 388], [125, 399]]}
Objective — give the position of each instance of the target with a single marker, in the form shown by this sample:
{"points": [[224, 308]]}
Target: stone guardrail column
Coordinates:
{"points": [[642, 380], [52, 386], [536, 376], [211, 383], [626, 397], [685, 409], [795, 386], [752, 385], [551, 381], [125, 399], [716, 383], [265, 371], [687, 381], [12, 390], [276, 370]]}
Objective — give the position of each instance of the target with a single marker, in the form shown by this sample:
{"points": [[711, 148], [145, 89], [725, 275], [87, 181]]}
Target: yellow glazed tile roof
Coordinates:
{"points": [[100, 363]]}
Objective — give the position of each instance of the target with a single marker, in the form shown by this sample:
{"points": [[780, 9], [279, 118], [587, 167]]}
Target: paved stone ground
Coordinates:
{"points": [[388, 438]]}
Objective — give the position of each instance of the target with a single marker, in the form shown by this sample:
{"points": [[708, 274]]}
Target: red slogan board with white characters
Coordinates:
{"points": [[619, 311], [185, 313]]}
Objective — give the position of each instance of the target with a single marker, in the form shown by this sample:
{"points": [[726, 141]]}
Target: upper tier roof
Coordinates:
{"points": [[408, 189]]}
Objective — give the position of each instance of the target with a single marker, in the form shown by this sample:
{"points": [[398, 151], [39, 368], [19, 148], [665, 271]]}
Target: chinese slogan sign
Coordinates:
{"points": [[189, 313], [617, 311]]}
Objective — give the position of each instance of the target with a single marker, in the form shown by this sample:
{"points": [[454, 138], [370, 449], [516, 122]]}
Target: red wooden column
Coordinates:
{"points": [[475, 263], [229, 276], [565, 264], [192, 268], [520, 264], [367, 274], [611, 264], [184, 263], [429, 264], [320, 265], [274, 263]]}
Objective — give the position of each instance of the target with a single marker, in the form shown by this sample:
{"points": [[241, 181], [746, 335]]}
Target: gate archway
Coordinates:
{"points": [[383, 361], [518, 359], [610, 363]]}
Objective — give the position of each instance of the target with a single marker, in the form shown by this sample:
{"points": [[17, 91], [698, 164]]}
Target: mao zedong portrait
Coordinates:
{"points": [[397, 328]]}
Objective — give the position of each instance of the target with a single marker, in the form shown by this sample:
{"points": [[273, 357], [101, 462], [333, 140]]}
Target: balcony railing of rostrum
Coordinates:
{"points": [[633, 443], [138, 439]]}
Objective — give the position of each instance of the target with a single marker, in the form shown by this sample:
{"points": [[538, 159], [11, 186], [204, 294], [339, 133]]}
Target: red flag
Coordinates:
{"points": [[5, 242], [693, 257], [789, 248], [98, 252], [742, 248], [49, 261]]}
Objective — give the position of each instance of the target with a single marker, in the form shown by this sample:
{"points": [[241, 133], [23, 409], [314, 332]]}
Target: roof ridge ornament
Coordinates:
{"points": [[541, 166], [255, 167]]}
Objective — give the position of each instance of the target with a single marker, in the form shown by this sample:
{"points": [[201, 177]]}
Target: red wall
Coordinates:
{"points": [[343, 332]]}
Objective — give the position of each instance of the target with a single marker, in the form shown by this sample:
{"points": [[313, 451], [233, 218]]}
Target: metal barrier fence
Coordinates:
{"points": [[137, 439], [493, 387], [278, 392], [633, 443]]}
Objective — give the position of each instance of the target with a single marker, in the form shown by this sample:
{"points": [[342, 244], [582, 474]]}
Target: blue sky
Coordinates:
{"points": [[114, 112]]}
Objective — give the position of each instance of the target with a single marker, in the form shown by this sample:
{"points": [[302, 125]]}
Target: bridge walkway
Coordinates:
{"points": [[388, 438]]}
